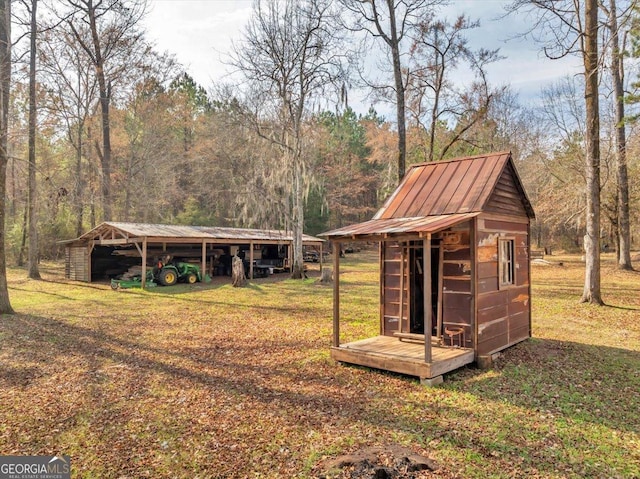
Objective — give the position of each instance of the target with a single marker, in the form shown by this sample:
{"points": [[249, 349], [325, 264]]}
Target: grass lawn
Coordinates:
{"points": [[206, 380]]}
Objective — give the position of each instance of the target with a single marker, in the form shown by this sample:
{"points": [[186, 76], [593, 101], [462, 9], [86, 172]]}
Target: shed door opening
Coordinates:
{"points": [[416, 281]]}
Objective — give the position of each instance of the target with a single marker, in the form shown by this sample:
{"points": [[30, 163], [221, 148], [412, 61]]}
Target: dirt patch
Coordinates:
{"points": [[378, 462]]}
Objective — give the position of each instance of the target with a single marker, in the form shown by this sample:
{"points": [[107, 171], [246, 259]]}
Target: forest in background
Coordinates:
{"points": [[185, 153]]}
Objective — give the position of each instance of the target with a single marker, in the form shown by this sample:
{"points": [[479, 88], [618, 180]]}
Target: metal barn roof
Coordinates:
{"points": [[113, 231]]}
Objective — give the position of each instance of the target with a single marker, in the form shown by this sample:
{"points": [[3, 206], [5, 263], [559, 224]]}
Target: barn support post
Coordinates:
{"points": [[336, 292], [251, 260], [144, 262], [89, 255], [321, 260], [204, 259], [428, 313]]}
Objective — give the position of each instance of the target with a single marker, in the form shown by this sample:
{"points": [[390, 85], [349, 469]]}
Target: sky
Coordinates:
{"points": [[200, 33]]}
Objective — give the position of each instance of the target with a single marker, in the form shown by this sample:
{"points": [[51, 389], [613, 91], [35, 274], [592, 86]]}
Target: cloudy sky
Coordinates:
{"points": [[200, 32]]}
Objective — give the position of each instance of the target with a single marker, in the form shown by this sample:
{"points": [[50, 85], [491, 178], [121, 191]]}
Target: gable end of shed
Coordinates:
{"points": [[508, 197]]}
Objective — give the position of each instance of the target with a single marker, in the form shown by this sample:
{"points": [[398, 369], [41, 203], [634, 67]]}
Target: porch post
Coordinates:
{"points": [[336, 292], [426, 268], [321, 260]]}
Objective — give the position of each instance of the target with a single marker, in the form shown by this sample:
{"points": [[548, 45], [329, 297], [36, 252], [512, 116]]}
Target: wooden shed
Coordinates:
{"points": [[109, 248], [454, 244]]}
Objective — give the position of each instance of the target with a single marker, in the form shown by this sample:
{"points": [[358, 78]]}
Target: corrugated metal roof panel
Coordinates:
{"points": [[398, 226], [142, 230], [446, 187]]}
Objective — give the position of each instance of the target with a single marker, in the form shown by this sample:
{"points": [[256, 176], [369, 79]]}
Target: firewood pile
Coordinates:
{"points": [[135, 270]]}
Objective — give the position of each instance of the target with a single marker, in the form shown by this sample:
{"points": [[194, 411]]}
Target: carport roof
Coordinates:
{"points": [[124, 233]]}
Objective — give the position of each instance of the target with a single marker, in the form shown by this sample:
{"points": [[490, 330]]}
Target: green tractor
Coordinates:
{"points": [[169, 274], [165, 274]]}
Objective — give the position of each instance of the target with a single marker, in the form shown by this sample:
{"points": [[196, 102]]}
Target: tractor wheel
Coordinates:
{"points": [[168, 277], [191, 278]]}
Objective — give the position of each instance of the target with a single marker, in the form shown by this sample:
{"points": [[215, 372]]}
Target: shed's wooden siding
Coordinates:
{"points": [[506, 197], [457, 290], [392, 271], [76, 264], [503, 315]]}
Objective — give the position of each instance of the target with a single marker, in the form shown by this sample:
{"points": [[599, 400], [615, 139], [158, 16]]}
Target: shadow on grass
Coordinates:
{"points": [[578, 382], [586, 383]]}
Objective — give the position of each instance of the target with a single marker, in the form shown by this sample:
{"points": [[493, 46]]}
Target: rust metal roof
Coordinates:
{"points": [[115, 230], [439, 193], [446, 187], [390, 227]]}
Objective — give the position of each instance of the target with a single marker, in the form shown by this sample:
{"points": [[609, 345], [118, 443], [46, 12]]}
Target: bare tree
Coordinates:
{"points": [[106, 31], [567, 27], [33, 272], [289, 57], [617, 73], [560, 208], [392, 21], [72, 91], [438, 50], [591, 292], [5, 85]]}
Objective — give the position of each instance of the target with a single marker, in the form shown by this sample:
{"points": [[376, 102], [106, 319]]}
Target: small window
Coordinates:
{"points": [[507, 262]]}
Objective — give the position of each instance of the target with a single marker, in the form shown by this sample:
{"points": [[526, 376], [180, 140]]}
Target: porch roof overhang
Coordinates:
{"points": [[390, 229]]}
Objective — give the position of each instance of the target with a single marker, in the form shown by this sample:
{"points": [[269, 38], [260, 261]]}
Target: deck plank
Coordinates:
{"points": [[390, 354]]}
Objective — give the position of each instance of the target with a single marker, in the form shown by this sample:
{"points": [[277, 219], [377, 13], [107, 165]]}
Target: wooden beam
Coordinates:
{"points": [[440, 287], [426, 269], [117, 241], [203, 270], [251, 260], [336, 293], [144, 263]]}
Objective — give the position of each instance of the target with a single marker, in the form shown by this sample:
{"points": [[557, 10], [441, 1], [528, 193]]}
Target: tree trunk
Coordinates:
{"points": [[238, 278], [5, 85], [297, 269], [105, 99], [34, 272], [23, 242], [327, 275], [78, 200], [399, 86], [617, 70], [591, 292]]}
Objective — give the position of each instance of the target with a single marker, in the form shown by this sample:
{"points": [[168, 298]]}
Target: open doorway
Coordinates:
{"points": [[416, 282]]}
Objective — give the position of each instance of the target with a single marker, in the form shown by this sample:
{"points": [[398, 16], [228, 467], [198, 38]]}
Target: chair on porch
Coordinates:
{"points": [[455, 332]]}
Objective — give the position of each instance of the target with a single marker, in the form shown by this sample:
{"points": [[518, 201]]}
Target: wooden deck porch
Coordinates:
{"points": [[405, 357]]}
